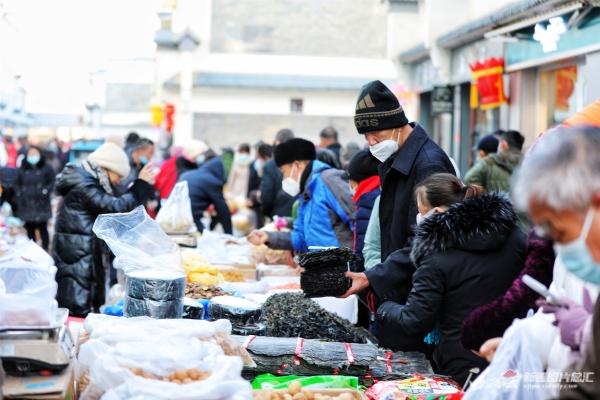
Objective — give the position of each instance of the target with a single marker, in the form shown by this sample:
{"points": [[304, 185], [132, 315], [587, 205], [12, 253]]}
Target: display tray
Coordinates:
{"points": [[184, 239], [61, 317], [327, 392]]}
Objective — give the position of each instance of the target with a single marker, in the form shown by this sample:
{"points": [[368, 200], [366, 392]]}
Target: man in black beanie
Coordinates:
{"points": [[407, 157], [274, 200], [325, 210]]}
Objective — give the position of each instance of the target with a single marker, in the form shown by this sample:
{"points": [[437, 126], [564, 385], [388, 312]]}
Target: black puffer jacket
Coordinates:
{"points": [[33, 188], [81, 258], [465, 257]]}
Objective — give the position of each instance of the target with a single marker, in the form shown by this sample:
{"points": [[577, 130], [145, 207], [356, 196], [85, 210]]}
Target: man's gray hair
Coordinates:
{"points": [[561, 170]]}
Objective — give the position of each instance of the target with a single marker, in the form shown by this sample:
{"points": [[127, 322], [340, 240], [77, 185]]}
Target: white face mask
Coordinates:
{"points": [[290, 185], [384, 149], [421, 218]]}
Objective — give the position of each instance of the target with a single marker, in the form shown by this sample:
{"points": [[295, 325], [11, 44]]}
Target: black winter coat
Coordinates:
{"points": [[206, 187], [416, 160], [274, 200], [81, 258], [33, 188], [465, 257]]}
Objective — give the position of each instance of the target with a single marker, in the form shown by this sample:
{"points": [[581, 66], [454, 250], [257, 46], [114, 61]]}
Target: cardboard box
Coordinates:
{"points": [[55, 387]]}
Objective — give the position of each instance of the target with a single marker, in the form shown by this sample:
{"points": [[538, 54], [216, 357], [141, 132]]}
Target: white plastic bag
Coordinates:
{"points": [[111, 373], [175, 216], [516, 372], [138, 242]]}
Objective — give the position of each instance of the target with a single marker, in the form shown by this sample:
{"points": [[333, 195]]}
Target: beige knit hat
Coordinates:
{"points": [[193, 148], [111, 157]]}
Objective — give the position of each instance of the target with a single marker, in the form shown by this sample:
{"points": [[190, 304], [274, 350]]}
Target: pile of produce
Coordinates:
{"points": [[295, 392], [264, 255], [198, 269], [233, 276], [196, 290], [179, 377], [324, 272], [293, 315]]}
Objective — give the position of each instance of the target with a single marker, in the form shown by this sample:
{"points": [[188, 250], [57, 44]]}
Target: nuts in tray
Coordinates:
{"points": [[295, 392]]}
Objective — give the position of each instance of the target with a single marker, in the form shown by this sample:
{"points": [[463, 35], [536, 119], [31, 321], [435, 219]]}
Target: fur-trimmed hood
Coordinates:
{"points": [[476, 225]]}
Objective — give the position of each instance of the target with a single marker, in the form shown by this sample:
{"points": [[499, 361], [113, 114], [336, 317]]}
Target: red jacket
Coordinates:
{"points": [[166, 177]]}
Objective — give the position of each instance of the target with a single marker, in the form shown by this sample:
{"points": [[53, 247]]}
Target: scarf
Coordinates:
{"points": [[98, 173]]}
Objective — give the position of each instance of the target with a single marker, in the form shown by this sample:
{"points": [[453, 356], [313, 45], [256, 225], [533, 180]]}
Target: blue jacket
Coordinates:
{"points": [[206, 187], [325, 213]]}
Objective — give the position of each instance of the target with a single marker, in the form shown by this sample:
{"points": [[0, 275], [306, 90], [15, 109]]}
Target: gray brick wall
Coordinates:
{"points": [[128, 97], [231, 129], [334, 28]]}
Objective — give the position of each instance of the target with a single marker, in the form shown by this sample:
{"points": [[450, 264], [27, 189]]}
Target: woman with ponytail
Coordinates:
{"points": [[467, 250]]}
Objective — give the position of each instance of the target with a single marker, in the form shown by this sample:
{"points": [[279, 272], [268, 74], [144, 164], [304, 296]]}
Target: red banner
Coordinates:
{"points": [[565, 86], [487, 75], [169, 117]]}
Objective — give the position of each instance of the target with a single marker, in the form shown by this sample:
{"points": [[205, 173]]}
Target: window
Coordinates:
{"points": [[296, 106]]}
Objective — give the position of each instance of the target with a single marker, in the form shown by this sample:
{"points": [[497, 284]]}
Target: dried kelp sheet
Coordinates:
{"points": [[287, 356]]}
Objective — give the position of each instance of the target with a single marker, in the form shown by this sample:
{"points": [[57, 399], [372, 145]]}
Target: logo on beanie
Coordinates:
{"points": [[366, 123], [365, 103]]}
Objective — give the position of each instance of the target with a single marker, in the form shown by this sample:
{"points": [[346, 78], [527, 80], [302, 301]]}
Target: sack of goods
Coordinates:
{"points": [[324, 272]]}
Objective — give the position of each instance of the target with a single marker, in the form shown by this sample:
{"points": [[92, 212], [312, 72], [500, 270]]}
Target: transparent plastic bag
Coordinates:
{"points": [[22, 310], [138, 242], [175, 216], [235, 309], [29, 292]]}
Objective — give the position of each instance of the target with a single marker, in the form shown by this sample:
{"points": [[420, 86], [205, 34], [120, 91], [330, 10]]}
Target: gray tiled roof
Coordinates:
{"points": [[271, 81], [514, 11]]}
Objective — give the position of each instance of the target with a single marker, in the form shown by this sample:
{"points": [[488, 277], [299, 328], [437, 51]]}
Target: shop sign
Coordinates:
{"points": [[441, 100], [487, 76]]}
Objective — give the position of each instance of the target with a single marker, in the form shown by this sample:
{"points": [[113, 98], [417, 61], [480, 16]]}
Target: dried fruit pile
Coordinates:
{"points": [[182, 376], [324, 272], [197, 290]]}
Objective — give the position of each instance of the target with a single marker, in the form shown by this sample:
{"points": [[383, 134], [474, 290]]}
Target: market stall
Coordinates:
{"points": [[211, 322]]}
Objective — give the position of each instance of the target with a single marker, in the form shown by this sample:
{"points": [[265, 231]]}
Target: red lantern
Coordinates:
{"points": [[169, 117], [488, 77]]}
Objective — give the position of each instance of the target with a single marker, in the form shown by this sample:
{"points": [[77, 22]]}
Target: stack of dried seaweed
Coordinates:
{"points": [[293, 315], [324, 272], [293, 356]]}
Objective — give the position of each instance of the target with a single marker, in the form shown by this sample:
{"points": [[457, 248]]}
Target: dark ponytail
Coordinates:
{"points": [[443, 190]]}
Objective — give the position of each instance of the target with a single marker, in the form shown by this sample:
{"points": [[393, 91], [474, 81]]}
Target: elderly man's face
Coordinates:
{"points": [[564, 226]]}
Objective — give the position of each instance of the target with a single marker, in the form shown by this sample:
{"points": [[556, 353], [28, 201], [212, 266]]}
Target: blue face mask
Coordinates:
{"points": [[576, 256], [144, 160], [33, 160], [200, 159]]}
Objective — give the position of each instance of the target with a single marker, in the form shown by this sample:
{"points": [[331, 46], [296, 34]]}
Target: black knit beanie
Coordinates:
{"points": [[362, 166], [294, 150], [377, 109]]}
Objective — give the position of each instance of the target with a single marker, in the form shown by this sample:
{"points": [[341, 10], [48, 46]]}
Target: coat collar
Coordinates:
{"points": [[405, 157], [480, 225]]}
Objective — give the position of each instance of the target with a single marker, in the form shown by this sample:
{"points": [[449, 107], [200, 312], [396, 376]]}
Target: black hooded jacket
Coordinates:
{"points": [[206, 187], [81, 258], [464, 258]]}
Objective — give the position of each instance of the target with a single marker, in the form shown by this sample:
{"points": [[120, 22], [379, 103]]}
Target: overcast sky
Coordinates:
{"points": [[55, 44]]}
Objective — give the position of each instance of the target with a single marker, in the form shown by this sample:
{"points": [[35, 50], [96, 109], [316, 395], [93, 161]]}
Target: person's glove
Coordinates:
{"points": [[570, 319]]}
